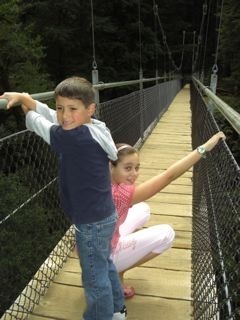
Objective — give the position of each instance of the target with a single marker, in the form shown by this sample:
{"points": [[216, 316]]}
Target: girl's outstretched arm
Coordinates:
{"points": [[150, 187]]}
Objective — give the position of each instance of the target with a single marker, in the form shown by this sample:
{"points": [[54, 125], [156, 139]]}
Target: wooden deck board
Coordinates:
{"points": [[172, 209], [174, 259], [163, 285], [178, 223]]}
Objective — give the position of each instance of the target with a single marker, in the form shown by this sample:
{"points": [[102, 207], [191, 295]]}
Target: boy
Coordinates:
{"points": [[84, 147]]}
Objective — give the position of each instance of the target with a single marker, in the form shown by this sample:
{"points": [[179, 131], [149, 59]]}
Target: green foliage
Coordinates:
{"points": [[65, 30], [21, 52], [233, 138], [229, 45], [26, 237], [11, 121], [23, 79], [21, 61]]}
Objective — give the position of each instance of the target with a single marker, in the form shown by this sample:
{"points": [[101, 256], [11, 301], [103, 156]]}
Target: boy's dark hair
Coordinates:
{"points": [[76, 88]]}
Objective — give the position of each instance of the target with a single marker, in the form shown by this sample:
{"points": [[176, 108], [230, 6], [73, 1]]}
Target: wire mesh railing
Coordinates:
{"points": [[34, 233], [32, 224], [216, 223], [130, 116]]}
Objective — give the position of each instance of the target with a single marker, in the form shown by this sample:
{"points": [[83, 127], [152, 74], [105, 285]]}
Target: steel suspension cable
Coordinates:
{"points": [[214, 77], [218, 37], [155, 39], [155, 11], [139, 35], [183, 44], [206, 40], [219, 31], [193, 50], [94, 63], [204, 12], [165, 38], [95, 76]]}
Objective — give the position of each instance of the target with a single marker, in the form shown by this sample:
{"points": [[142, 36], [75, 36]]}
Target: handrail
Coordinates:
{"points": [[102, 86], [232, 116], [43, 96]]}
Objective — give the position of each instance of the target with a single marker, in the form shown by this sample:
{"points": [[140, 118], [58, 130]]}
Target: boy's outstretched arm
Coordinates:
{"points": [[28, 103], [36, 122], [150, 187], [16, 98]]}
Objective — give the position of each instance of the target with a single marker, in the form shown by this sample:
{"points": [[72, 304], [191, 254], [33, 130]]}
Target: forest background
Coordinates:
{"points": [[42, 42]]}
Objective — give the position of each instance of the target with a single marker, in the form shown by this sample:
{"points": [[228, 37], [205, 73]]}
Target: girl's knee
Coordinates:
{"points": [[166, 236], [144, 208], [171, 233], [138, 215]]}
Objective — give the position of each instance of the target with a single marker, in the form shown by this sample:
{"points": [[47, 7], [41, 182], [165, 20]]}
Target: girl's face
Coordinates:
{"points": [[127, 169], [71, 113]]}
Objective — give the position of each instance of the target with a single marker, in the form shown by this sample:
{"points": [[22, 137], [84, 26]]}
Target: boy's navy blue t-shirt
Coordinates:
{"points": [[84, 175]]}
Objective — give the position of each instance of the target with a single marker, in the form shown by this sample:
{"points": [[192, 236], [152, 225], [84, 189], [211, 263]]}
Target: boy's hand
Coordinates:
{"points": [[212, 142], [17, 98], [24, 109], [12, 97]]}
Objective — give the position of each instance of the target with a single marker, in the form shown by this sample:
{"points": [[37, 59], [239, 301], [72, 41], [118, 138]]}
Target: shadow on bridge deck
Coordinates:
{"points": [[163, 285]]}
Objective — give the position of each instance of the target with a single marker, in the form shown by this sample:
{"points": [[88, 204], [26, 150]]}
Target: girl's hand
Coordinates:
{"points": [[212, 142]]}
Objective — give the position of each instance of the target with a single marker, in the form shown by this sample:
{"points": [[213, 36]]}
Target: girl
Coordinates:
{"points": [[131, 248]]}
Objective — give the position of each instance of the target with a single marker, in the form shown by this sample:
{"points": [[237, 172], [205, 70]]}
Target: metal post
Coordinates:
{"points": [[193, 51], [214, 78], [156, 75], [95, 81], [141, 102], [213, 85]]}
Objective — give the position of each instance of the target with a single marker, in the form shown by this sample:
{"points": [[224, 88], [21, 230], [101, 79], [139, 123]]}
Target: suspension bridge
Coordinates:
{"points": [[198, 278]]}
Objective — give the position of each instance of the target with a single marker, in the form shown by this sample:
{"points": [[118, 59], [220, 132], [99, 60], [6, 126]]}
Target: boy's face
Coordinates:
{"points": [[71, 113]]}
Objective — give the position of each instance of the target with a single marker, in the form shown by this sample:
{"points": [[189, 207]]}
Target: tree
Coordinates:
{"points": [[27, 236], [229, 42], [21, 52], [65, 30], [21, 55]]}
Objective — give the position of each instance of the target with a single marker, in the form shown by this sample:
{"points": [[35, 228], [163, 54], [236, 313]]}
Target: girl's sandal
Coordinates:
{"points": [[129, 292]]}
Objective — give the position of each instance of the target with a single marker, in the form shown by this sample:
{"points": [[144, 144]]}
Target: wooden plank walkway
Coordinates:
{"points": [[163, 285]]}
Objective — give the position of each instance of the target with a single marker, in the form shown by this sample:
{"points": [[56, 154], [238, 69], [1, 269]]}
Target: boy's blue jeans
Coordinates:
{"points": [[100, 278]]}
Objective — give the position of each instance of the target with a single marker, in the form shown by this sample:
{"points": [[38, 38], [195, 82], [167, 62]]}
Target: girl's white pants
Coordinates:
{"points": [[134, 245]]}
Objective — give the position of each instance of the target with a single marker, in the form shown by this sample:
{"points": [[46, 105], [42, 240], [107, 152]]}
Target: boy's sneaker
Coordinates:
{"points": [[122, 315]]}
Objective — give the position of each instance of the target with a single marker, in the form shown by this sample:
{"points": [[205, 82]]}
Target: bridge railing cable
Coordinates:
{"points": [[232, 116], [35, 236], [163, 34], [216, 220], [45, 96], [32, 226], [200, 38]]}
